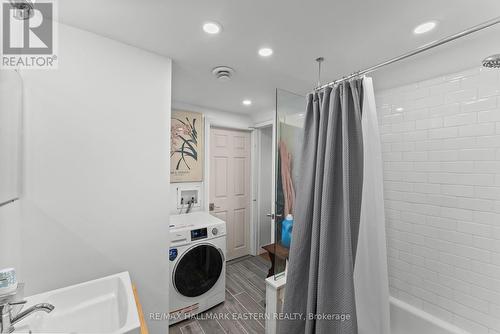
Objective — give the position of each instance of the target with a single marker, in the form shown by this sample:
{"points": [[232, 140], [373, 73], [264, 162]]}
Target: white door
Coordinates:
{"points": [[229, 186]]}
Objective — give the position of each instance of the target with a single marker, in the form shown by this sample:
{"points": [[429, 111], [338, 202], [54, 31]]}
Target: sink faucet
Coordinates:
{"points": [[9, 319]]}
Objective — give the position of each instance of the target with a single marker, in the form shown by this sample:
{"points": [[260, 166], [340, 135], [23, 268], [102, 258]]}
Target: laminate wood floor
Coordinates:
{"points": [[245, 293]]}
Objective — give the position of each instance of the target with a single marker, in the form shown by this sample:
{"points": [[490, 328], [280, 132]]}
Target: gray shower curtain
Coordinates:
{"points": [[319, 295]]}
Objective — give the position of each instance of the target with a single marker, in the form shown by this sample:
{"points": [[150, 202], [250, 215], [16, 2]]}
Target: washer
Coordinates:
{"points": [[197, 264]]}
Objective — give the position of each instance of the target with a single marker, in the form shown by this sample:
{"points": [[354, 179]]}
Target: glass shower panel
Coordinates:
{"points": [[290, 109]]}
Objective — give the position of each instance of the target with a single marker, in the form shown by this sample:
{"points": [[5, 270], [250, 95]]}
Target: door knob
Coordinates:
{"points": [[212, 207]]}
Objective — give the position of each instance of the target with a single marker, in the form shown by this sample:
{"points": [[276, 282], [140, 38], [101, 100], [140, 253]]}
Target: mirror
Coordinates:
{"points": [[10, 135], [290, 109]]}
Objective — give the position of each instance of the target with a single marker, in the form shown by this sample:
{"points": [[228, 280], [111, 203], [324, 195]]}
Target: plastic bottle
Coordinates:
{"points": [[286, 231]]}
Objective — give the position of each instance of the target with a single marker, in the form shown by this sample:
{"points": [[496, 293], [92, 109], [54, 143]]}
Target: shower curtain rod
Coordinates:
{"points": [[421, 49]]}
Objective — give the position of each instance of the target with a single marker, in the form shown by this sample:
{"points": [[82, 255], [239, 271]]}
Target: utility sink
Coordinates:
{"points": [[105, 305]]}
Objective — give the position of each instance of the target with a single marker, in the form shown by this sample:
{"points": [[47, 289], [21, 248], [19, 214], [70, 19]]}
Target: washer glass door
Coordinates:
{"points": [[198, 270]]}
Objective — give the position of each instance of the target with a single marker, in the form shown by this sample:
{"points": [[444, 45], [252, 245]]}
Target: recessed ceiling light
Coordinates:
{"points": [[400, 109], [247, 102], [265, 52], [212, 28], [425, 27]]}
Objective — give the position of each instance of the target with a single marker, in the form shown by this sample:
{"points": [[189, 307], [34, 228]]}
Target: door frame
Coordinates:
{"points": [[212, 123], [254, 163], [256, 154]]}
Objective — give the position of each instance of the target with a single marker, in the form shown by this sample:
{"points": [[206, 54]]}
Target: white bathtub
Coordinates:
{"points": [[406, 319]]}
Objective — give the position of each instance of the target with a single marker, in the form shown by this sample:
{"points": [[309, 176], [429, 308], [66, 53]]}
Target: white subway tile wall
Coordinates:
{"points": [[441, 152]]}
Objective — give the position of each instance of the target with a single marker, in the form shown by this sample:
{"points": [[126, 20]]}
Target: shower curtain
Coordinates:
{"points": [[371, 283], [337, 274]]}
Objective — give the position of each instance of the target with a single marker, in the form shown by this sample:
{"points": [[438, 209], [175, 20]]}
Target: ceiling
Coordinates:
{"points": [[351, 35]]}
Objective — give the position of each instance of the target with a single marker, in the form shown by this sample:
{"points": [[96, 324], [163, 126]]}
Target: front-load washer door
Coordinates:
{"points": [[198, 270]]}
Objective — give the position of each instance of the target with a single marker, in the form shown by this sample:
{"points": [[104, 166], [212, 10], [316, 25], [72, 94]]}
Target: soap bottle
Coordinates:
{"points": [[286, 231]]}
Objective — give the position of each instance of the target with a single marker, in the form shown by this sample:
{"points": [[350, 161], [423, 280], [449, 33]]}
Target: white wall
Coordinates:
{"points": [[96, 183], [213, 117], [221, 118], [10, 134], [442, 196], [263, 116]]}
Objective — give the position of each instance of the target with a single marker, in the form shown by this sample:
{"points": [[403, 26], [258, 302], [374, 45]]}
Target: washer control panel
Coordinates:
{"points": [[182, 233], [198, 234]]}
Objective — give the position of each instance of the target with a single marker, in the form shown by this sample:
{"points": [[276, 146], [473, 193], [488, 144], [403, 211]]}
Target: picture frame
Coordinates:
{"points": [[186, 147]]}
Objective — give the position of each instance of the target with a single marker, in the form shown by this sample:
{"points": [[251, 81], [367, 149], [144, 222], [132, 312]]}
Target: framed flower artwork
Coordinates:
{"points": [[186, 147]]}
